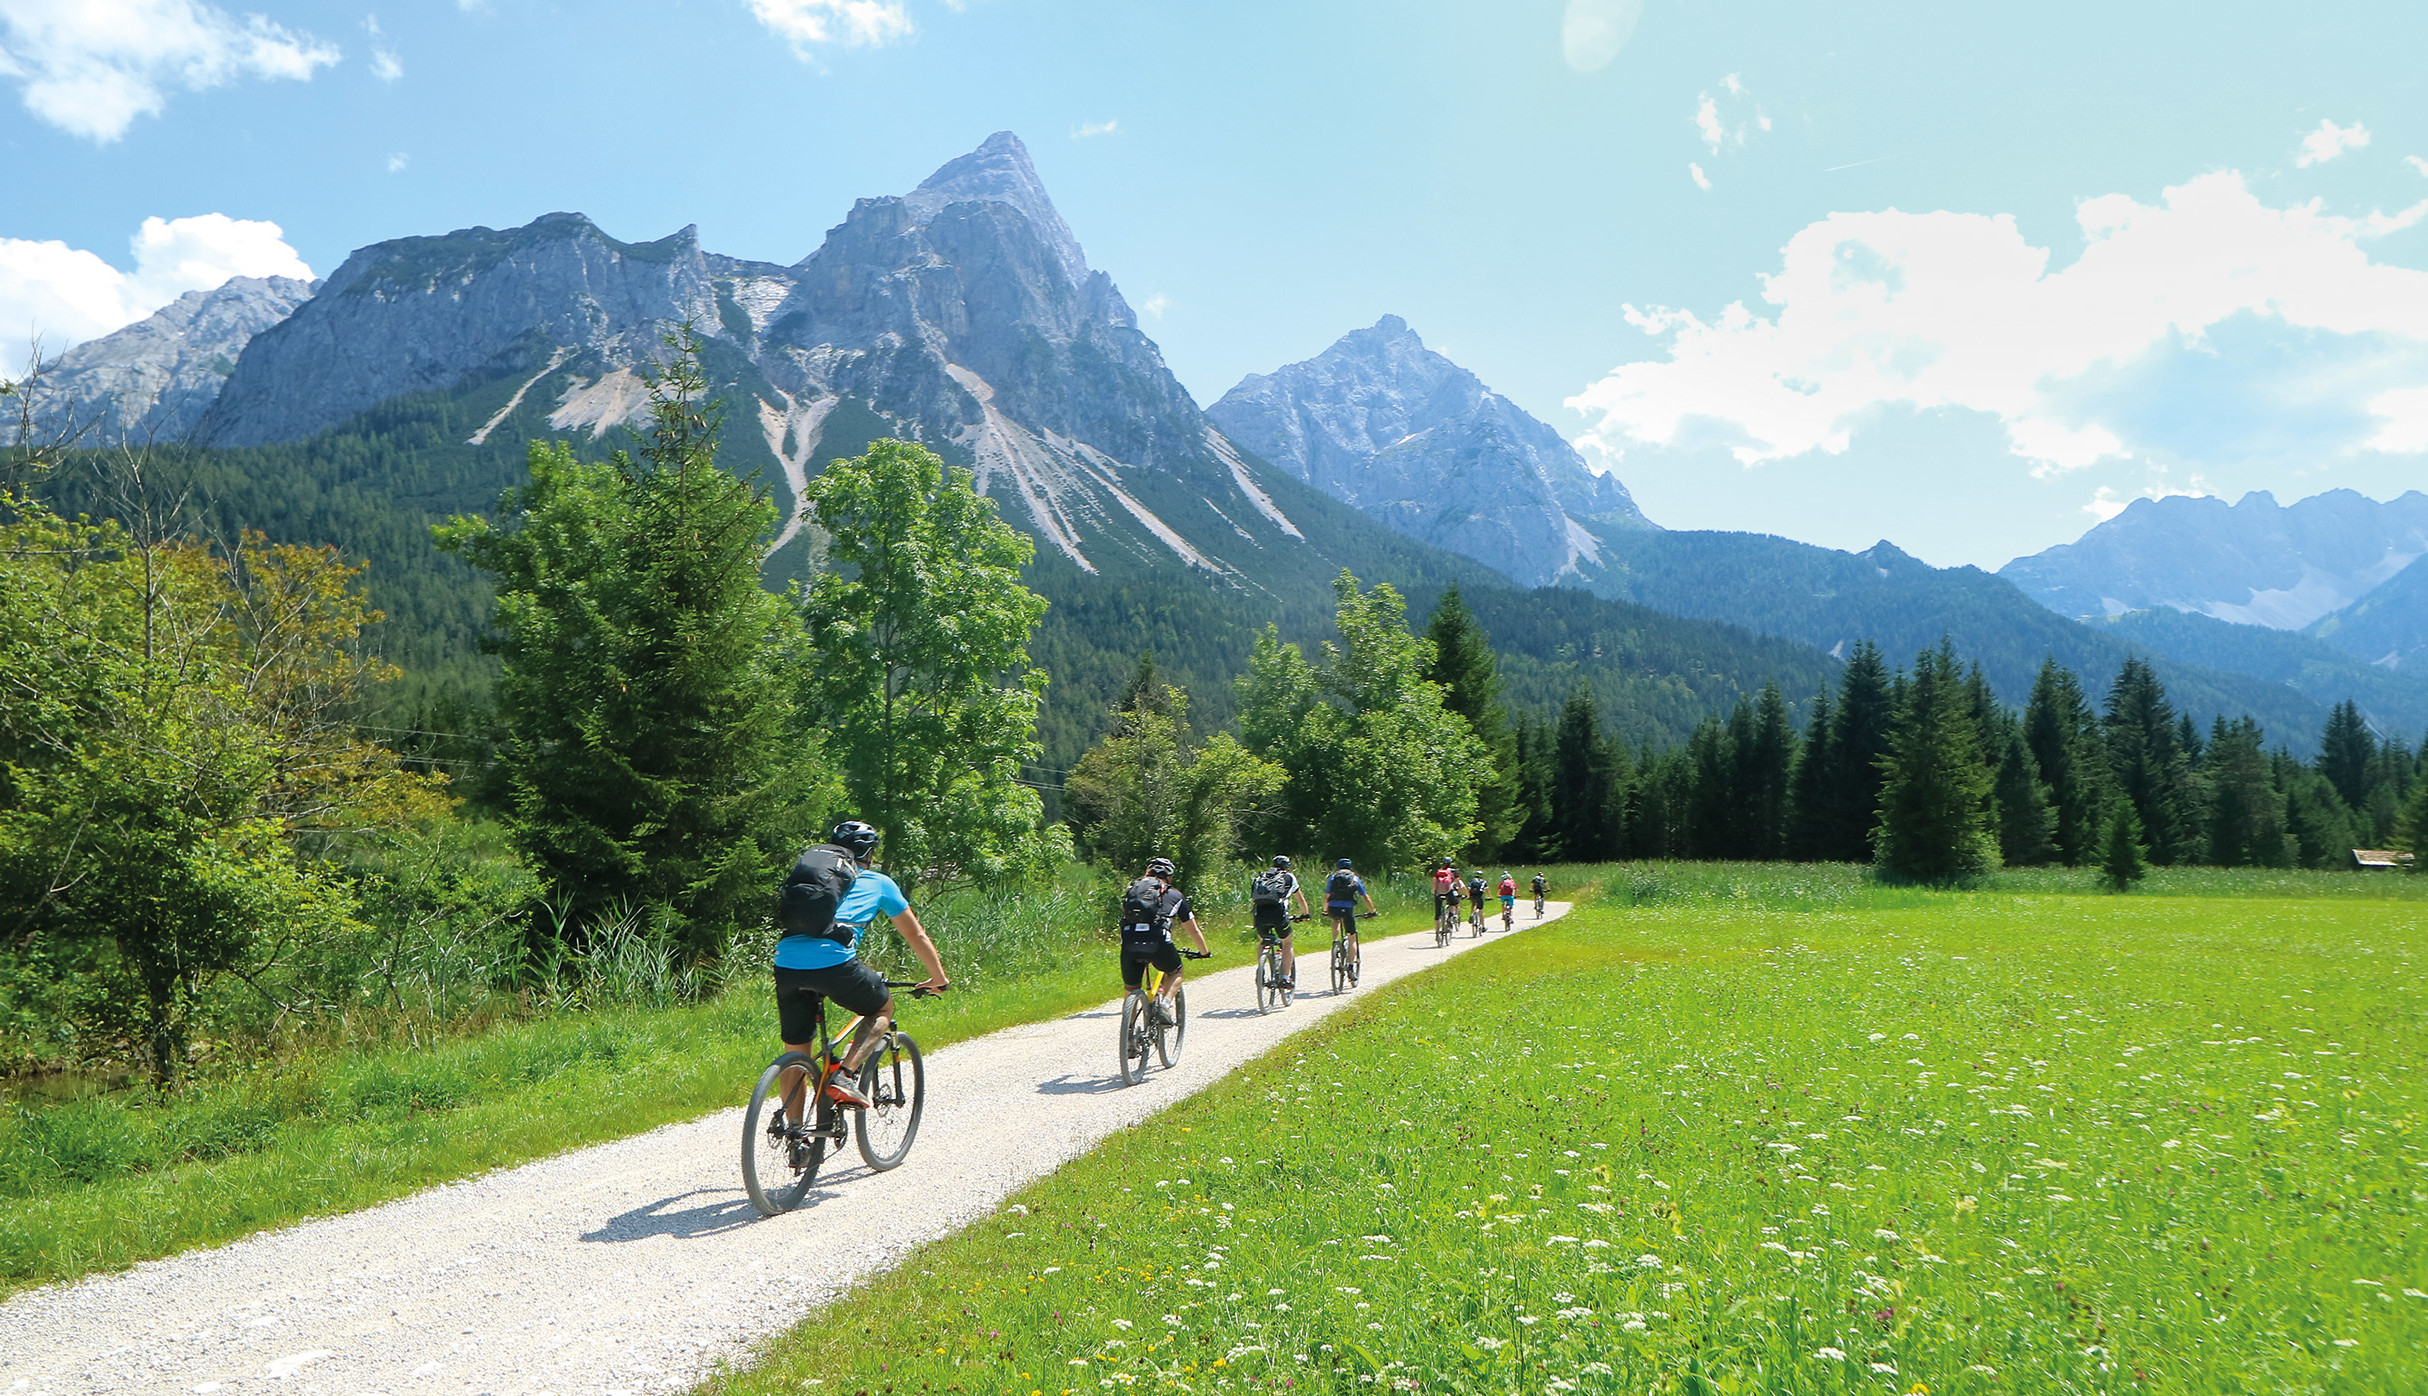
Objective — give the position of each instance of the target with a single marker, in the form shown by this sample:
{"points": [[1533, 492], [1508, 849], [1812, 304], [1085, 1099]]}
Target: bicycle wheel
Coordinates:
{"points": [[1268, 979], [779, 1162], [895, 1082], [1167, 1038], [1354, 957], [1133, 1038], [1340, 965]]}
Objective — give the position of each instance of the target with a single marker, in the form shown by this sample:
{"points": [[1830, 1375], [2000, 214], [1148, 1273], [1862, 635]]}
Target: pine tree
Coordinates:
{"points": [[1765, 760], [2148, 764], [1581, 781], [1936, 823], [1859, 742], [2026, 826], [2246, 814], [1711, 816], [2121, 859], [2063, 733], [1809, 792], [1464, 665], [2411, 831], [2346, 750]]}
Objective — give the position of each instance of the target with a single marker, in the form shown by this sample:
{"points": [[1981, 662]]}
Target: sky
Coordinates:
{"points": [[1967, 278]]}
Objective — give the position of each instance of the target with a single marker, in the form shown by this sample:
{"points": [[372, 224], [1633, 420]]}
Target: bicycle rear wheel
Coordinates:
{"points": [[780, 1162], [1340, 964], [1268, 979], [1167, 1037], [1133, 1038], [1354, 958], [895, 1082]]}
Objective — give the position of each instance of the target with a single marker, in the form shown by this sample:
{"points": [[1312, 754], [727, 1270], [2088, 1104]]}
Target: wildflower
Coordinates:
{"points": [[1885, 1234], [1348, 1289], [1172, 1319], [1633, 1325], [1887, 1368], [1529, 1320], [1273, 1291], [2346, 1343], [1492, 1344], [1648, 1262], [1122, 1323], [1985, 1371], [1829, 1354], [1597, 1369]]}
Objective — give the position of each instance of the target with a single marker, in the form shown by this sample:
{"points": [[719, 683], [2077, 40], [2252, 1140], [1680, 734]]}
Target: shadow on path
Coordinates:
{"points": [[1067, 1084], [728, 1209]]}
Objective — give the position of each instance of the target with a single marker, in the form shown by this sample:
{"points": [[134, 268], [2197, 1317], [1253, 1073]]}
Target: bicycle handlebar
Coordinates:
{"points": [[1197, 954], [918, 987]]}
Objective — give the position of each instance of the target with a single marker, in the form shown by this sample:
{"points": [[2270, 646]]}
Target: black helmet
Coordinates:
{"points": [[1161, 867], [1281, 861], [860, 838]]}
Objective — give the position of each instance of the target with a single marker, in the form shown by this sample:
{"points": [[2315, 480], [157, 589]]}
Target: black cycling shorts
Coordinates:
{"points": [[1136, 955], [1270, 917], [852, 984], [1347, 912]]}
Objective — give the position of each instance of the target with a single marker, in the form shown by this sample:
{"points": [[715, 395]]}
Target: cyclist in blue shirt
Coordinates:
{"points": [[1342, 892], [810, 968]]}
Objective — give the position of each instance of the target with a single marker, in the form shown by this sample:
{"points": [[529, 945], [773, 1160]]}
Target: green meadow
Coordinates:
{"points": [[1740, 1130]]}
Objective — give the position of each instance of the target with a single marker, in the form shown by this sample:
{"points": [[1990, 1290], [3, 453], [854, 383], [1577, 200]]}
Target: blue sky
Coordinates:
{"points": [[1996, 273]]}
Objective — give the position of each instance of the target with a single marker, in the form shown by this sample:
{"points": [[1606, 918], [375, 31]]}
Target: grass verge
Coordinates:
{"points": [[1982, 1143]]}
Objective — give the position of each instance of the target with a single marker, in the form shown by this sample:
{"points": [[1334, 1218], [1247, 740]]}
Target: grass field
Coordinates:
{"points": [[1748, 1131]]}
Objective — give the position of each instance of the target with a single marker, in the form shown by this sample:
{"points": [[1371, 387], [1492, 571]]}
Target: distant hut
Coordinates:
{"points": [[2379, 860]]}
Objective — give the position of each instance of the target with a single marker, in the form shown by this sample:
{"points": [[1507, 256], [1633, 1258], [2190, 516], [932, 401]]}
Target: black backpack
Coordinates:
{"points": [[1148, 903], [1340, 888], [1271, 888], [812, 891]]}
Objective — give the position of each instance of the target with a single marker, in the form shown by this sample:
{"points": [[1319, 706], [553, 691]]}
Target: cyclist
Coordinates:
{"points": [[1342, 891], [1271, 894], [1538, 894], [1475, 898], [1445, 887], [1149, 910], [1458, 902], [1508, 899], [828, 898]]}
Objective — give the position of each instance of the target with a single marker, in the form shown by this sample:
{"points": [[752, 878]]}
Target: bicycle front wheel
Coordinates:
{"points": [[779, 1160], [1133, 1038], [895, 1082], [1268, 980], [1167, 1038]]}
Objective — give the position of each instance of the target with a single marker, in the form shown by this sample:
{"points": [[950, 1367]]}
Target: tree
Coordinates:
{"points": [[2121, 861], [2025, 824], [1867, 713], [2411, 831], [2063, 734], [1380, 769], [921, 630], [2246, 814], [1763, 746], [1464, 665], [175, 738], [1582, 783], [1936, 823], [1151, 789], [2147, 762], [652, 756], [2347, 750], [1809, 832]]}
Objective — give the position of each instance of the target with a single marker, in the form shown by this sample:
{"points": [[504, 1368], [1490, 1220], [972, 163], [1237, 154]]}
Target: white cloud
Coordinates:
{"points": [[2331, 140], [1156, 304], [806, 24], [1702, 180], [2403, 417], [2416, 163], [2206, 323], [385, 65], [1711, 123], [67, 295], [1592, 32], [1707, 123], [1088, 129], [398, 161], [90, 67]]}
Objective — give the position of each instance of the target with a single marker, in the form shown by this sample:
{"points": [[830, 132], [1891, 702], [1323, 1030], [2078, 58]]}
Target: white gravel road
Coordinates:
{"points": [[635, 1266]]}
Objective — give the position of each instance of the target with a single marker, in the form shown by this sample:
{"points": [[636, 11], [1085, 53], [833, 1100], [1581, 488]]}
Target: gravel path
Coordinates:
{"points": [[635, 1266]]}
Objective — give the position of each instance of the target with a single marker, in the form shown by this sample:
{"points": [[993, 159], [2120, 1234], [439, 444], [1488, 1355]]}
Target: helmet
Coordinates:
{"points": [[860, 838], [1161, 867], [1344, 863], [1281, 861]]}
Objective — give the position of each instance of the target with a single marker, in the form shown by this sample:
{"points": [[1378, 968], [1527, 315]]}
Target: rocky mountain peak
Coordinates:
{"points": [[154, 379], [999, 171]]}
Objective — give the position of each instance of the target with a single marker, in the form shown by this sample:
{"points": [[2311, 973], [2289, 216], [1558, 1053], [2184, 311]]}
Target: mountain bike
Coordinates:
{"points": [[1509, 913], [1142, 1031], [1538, 906], [781, 1151], [1475, 917], [1344, 955], [1445, 921], [1272, 986]]}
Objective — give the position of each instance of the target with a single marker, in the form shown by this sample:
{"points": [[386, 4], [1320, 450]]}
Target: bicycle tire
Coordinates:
{"points": [[1268, 979], [1133, 1038], [777, 1171], [1356, 956], [1167, 1038], [894, 1078], [1340, 966]]}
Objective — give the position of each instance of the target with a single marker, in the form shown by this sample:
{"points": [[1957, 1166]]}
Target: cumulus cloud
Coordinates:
{"points": [[1088, 129], [90, 67], [809, 24], [1712, 124], [2416, 163], [2331, 140], [2203, 326], [66, 295], [1695, 172], [1592, 32], [385, 65]]}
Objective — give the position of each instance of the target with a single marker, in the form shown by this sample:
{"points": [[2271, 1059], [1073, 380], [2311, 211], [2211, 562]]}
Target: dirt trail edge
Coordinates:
{"points": [[634, 1266]]}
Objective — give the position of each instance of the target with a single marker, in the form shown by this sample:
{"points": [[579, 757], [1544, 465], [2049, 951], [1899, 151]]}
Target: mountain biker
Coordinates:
{"points": [[1508, 897], [1271, 894], [1342, 890], [828, 898], [1445, 887], [1475, 897], [1538, 894], [1150, 908]]}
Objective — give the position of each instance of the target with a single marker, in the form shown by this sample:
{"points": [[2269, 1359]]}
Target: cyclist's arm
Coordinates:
{"points": [[915, 935], [1301, 894], [1197, 935], [1370, 907]]}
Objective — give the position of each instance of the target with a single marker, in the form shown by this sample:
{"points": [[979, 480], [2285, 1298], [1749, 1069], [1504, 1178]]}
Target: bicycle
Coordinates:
{"points": [[1272, 986], [780, 1157], [1140, 1033], [1475, 918], [1538, 906], [1509, 914], [1344, 954], [1445, 922]]}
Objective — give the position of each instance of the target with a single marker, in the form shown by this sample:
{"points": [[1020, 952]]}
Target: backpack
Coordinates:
{"points": [[1340, 889], [813, 889], [1270, 888], [1147, 903]]}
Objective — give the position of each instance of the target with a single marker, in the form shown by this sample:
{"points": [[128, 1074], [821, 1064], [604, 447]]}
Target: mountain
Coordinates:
{"points": [[2388, 627], [2253, 562], [1420, 444], [2392, 702], [154, 379], [1830, 599], [963, 315]]}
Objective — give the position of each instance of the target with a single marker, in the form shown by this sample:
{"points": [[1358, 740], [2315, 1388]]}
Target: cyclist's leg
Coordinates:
{"points": [[797, 1009], [1289, 955], [1174, 968], [857, 988]]}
